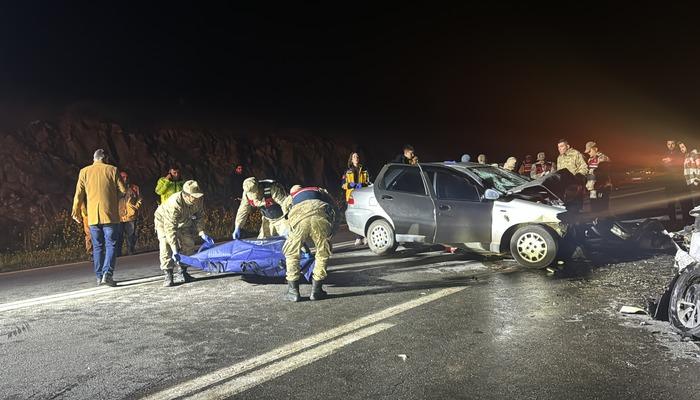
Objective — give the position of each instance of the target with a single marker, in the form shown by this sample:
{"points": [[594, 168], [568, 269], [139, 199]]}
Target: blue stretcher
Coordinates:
{"points": [[262, 257]]}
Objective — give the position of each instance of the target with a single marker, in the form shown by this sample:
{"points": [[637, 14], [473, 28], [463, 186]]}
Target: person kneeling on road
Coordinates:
{"points": [[177, 221], [267, 196], [311, 215]]}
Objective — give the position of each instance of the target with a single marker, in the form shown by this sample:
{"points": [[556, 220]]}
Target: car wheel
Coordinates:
{"points": [[381, 238], [533, 246], [684, 304]]}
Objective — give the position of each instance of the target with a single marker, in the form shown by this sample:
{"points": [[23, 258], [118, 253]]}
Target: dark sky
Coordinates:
{"points": [[505, 78]]}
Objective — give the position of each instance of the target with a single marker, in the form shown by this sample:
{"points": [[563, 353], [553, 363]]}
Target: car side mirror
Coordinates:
{"points": [[491, 194]]}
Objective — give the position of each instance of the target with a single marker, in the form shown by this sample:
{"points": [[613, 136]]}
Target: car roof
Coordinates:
{"points": [[456, 165]]}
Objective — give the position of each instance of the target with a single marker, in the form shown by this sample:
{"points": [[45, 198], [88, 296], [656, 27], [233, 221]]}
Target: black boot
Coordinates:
{"points": [[317, 292], [183, 276], [292, 291], [168, 282]]}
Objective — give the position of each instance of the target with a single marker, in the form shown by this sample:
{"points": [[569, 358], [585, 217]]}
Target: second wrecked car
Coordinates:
{"points": [[470, 206]]}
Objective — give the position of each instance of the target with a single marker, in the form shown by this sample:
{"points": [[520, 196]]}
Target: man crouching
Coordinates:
{"points": [[311, 215], [177, 221]]}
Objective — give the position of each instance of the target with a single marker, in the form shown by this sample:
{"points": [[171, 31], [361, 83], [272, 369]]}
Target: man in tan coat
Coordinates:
{"points": [[177, 221], [99, 188], [267, 196], [572, 159]]}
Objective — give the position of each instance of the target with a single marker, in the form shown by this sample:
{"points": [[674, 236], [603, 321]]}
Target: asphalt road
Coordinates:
{"points": [[413, 326]]}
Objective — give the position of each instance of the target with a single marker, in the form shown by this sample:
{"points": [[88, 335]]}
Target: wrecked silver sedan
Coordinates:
{"points": [[474, 207]]}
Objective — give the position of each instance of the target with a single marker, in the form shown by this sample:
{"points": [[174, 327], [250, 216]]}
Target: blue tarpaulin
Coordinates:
{"points": [[249, 257]]}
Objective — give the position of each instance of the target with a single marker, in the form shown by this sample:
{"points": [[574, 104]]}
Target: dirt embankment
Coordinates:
{"points": [[40, 162]]}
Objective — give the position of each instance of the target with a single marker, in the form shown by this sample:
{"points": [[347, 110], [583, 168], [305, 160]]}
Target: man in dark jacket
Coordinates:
{"points": [[407, 157]]}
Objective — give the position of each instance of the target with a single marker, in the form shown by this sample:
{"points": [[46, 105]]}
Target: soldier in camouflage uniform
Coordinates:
{"points": [[177, 221], [571, 159], [311, 215], [267, 196]]}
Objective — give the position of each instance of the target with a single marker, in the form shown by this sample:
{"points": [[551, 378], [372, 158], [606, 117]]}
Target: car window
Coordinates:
{"points": [[404, 179], [498, 178], [452, 186]]}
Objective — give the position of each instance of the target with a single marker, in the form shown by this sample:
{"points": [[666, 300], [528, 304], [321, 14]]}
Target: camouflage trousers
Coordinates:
{"points": [[269, 228], [308, 220], [185, 239]]}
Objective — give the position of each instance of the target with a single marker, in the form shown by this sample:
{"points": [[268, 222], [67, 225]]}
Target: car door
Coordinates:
{"points": [[462, 215], [401, 192]]}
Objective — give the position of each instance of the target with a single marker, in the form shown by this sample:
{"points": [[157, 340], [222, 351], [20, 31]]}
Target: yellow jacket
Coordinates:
{"points": [[100, 188], [349, 177]]}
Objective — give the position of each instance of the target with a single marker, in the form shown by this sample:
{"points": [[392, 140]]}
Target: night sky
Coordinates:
{"points": [[502, 79]]}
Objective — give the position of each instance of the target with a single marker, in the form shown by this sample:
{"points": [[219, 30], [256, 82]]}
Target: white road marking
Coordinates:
{"points": [[199, 383], [245, 382], [54, 298]]}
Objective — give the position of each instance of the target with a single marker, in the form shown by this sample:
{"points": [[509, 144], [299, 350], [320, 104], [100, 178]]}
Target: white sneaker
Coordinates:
{"points": [[358, 242], [364, 241]]}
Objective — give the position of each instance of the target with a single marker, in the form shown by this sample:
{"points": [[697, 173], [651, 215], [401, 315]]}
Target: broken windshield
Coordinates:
{"points": [[498, 178]]}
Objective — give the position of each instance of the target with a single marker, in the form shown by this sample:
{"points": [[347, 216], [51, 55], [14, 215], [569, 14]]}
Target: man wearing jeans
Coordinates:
{"points": [[100, 188]]}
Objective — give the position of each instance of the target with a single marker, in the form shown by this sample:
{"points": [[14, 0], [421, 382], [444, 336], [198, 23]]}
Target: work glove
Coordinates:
{"points": [[176, 257], [207, 239], [236, 233], [358, 185]]}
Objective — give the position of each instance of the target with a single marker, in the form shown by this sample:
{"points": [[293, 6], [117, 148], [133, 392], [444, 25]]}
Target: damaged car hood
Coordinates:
{"points": [[555, 183]]}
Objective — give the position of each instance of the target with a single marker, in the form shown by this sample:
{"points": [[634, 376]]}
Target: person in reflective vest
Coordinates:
{"points": [[267, 196], [598, 183], [312, 215], [526, 166], [542, 167]]}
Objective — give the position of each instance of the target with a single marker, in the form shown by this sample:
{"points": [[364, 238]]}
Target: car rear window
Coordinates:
{"points": [[404, 179]]}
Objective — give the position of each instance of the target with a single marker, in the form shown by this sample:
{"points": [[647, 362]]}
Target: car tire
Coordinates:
{"points": [[684, 303], [381, 238], [533, 246]]}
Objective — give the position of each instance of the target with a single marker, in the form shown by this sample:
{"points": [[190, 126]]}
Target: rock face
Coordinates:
{"points": [[40, 163]]}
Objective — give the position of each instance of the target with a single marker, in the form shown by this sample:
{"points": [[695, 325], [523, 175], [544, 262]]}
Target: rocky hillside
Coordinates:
{"points": [[40, 163]]}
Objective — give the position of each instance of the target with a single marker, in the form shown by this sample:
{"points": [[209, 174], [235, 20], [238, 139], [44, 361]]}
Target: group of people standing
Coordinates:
{"points": [[682, 179], [107, 204], [304, 214]]}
